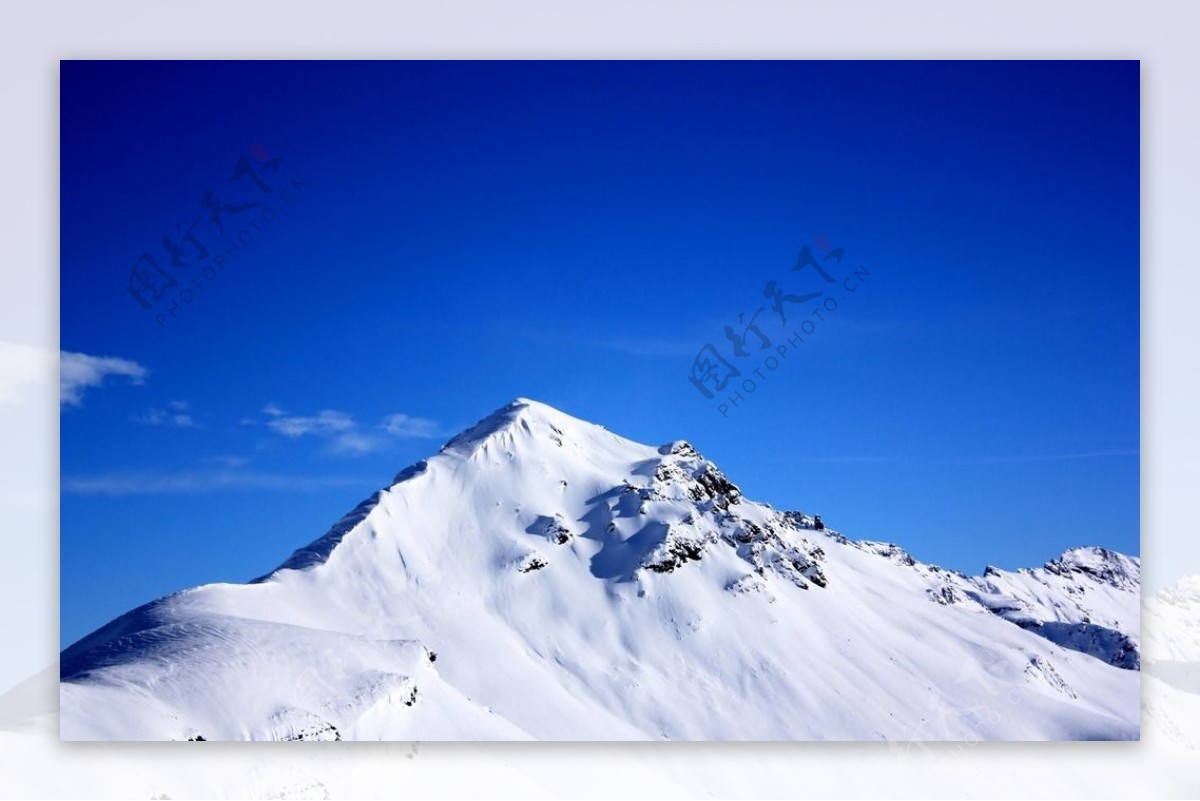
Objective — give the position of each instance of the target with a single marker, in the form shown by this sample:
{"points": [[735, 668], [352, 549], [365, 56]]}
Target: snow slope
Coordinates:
{"points": [[541, 577], [1172, 664]]}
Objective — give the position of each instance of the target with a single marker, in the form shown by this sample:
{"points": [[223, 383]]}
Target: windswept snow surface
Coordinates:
{"points": [[543, 578]]}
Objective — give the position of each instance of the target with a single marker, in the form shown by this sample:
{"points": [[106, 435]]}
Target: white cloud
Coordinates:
{"points": [[174, 419], [405, 427], [160, 483], [354, 442], [974, 460], [79, 371], [341, 430], [324, 423]]}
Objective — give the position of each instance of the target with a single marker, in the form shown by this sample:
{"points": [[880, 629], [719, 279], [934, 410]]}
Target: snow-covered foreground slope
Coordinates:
{"points": [[544, 578]]}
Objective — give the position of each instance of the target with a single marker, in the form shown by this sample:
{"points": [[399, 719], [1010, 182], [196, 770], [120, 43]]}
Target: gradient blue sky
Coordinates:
{"points": [[575, 232]]}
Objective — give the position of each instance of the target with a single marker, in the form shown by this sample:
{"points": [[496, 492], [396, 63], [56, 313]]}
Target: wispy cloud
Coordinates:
{"points": [[195, 481], [355, 442], [406, 427], [1047, 457], [324, 423], [344, 433], [79, 371], [973, 460], [176, 416]]}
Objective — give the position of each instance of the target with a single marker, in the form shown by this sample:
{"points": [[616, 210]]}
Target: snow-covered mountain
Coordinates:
{"points": [[1172, 664], [1085, 600], [541, 577]]}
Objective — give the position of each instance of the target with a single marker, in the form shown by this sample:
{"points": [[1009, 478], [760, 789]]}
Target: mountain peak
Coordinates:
{"points": [[528, 402], [1100, 564], [517, 413]]}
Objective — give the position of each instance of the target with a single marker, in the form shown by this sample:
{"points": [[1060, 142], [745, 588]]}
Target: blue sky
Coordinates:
{"points": [[440, 238]]}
